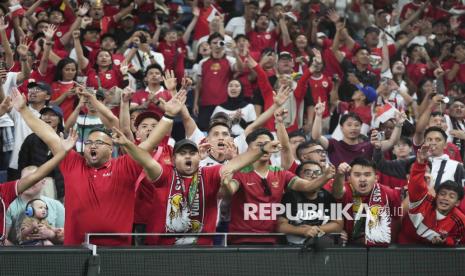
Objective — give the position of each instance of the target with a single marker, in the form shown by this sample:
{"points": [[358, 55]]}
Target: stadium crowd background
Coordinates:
{"points": [[359, 102]]}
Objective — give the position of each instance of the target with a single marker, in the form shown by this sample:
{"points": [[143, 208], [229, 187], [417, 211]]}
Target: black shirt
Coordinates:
{"points": [[346, 90]]}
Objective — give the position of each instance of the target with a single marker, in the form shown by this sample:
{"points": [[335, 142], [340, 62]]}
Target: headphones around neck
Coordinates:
{"points": [[30, 212]]}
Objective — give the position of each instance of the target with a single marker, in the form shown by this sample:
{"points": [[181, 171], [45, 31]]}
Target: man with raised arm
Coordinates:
{"points": [[100, 190]]}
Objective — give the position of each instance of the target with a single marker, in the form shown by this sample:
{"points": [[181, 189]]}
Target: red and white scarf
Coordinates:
{"points": [[185, 211]]}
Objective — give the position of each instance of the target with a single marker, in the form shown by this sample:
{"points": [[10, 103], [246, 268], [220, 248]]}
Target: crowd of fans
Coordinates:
{"points": [[154, 116]]}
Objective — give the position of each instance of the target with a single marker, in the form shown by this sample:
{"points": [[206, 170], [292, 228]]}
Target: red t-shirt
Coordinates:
{"points": [[321, 88], [332, 65], [424, 215], [215, 76], [8, 193], [202, 27], [35, 76], [174, 56], [262, 40], [251, 192], [58, 89], [211, 180], [108, 79], [99, 200], [141, 96], [417, 71]]}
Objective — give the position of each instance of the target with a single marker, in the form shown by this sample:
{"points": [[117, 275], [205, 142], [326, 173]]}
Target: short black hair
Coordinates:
{"points": [[398, 34], [239, 36], [437, 129], [360, 49], [302, 165], [213, 36], [259, 131], [361, 161], [297, 133], [100, 129], [304, 145], [456, 44], [405, 140], [153, 66], [451, 186], [349, 115]]}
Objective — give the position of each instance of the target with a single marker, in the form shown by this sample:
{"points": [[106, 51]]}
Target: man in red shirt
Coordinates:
{"points": [[260, 38], [186, 194], [432, 219], [374, 207], [100, 190], [260, 185], [214, 74]]}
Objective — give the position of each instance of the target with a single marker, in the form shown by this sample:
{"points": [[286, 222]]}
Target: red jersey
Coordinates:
{"points": [[202, 26], [251, 192], [424, 222], [321, 88], [262, 40], [209, 185], [58, 89], [8, 193], [108, 79], [417, 71], [140, 97], [332, 65], [215, 75], [174, 56], [267, 94], [99, 200]]}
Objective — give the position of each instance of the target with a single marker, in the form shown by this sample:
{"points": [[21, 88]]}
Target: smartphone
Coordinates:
{"points": [[381, 136]]}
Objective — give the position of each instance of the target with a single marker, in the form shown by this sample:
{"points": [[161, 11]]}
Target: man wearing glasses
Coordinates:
{"points": [[302, 225], [100, 190], [260, 184]]}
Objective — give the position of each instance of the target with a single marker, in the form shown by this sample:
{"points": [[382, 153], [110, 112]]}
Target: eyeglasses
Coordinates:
{"points": [[98, 143], [266, 188], [318, 151], [312, 173]]}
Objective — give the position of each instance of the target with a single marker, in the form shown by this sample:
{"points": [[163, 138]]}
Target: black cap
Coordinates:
{"points": [[284, 54], [185, 143], [145, 115], [41, 85], [372, 30], [55, 109]]}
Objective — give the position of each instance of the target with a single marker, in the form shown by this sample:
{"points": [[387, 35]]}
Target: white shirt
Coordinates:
{"points": [[248, 115], [21, 131], [10, 83], [146, 60]]}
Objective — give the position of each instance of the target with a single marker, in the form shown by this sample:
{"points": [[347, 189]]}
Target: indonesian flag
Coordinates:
{"points": [[212, 14], [383, 114]]}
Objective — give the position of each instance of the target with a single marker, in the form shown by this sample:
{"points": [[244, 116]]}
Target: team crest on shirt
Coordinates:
{"points": [[117, 62], [325, 84], [215, 67], [423, 70], [108, 76], [267, 36], [59, 34], [275, 184]]}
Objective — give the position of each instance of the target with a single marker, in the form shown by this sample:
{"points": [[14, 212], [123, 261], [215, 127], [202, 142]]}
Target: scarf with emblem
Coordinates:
{"points": [[372, 220], [185, 210]]}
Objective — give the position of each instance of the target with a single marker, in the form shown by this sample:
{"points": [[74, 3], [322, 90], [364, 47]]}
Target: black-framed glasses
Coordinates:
{"points": [[98, 143], [266, 187], [312, 173]]}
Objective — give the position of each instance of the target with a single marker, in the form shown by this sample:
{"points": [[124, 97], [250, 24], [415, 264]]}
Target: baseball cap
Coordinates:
{"points": [[372, 30], [284, 54], [370, 94], [55, 109], [145, 115], [185, 143], [41, 85], [321, 34]]}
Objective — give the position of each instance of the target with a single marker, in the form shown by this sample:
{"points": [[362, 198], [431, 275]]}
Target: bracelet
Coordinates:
{"points": [[168, 117]]}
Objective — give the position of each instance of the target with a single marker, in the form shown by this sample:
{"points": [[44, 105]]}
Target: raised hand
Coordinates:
{"points": [[5, 106], [320, 107], [174, 106], [281, 97], [127, 94], [124, 67], [83, 9], [186, 83], [272, 147], [195, 11], [280, 115], [70, 141], [230, 149], [170, 81], [3, 24], [119, 138], [251, 63], [50, 31], [400, 117], [204, 149], [317, 56], [18, 99], [329, 172], [333, 16], [86, 21], [76, 34], [423, 154], [343, 168], [23, 47], [374, 139]]}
